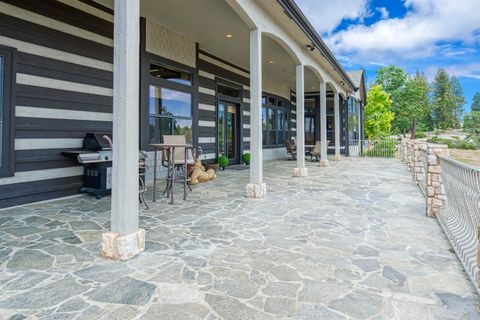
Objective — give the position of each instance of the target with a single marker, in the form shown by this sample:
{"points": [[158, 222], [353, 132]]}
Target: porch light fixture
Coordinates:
{"points": [[310, 47], [229, 36], [271, 61]]}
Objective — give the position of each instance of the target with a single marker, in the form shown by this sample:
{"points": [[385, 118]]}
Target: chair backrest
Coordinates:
{"points": [[179, 152], [288, 146], [317, 147]]}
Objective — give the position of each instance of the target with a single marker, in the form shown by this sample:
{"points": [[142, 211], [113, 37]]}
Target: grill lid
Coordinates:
{"points": [[96, 142]]}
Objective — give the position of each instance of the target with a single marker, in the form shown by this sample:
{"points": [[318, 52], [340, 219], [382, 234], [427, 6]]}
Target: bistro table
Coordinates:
{"points": [[309, 148], [170, 149]]}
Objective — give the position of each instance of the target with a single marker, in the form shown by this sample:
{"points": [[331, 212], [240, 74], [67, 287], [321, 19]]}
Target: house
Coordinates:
{"points": [[233, 76]]}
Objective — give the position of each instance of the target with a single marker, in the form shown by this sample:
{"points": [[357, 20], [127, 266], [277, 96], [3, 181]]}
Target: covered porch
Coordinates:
{"points": [[230, 76], [351, 241]]}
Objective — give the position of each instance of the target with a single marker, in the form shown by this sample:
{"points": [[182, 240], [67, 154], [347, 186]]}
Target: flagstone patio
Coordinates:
{"points": [[349, 242]]}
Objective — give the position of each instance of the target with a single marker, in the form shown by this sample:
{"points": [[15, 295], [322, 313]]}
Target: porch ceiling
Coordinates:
{"points": [[207, 22]]}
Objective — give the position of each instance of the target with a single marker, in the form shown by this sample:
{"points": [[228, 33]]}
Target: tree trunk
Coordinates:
{"points": [[414, 128], [404, 133]]}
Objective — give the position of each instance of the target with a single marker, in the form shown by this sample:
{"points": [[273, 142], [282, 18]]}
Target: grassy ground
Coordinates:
{"points": [[471, 157]]}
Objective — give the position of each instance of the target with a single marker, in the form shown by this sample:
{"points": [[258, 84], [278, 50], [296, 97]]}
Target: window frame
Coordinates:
{"points": [[275, 103], [150, 80], [9, 80], [238, 102]]}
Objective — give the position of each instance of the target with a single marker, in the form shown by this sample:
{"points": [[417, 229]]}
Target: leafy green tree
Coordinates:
{"points": [[447, 100], [391, 78], [476, 102], [412, 104], [378, 117], [471, 123]]}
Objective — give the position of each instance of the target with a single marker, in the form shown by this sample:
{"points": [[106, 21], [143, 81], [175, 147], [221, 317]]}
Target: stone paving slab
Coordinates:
{"points": [[348, 242]]}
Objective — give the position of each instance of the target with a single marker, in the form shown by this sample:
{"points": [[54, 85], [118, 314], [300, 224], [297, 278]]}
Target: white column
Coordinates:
{"points": [[336, 100], [256, 188], [359, 120], [125, 239], [300, 170], [323, 125]]}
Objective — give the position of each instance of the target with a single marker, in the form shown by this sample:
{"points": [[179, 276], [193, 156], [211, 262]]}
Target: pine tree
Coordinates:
{"points": [[476, 102], [458, 102], [447, 100]]}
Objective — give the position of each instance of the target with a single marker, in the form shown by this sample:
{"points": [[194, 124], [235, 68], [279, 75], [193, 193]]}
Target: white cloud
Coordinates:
{"points": [[326, 16], [415, 35], [383, 12], [469, 70]]}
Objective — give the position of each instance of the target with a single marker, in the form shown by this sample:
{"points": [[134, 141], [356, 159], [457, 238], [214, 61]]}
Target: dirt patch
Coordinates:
{"points": [[471, 157]]}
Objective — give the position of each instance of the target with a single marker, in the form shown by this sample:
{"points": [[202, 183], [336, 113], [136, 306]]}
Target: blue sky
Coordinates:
{"points": [[414, 34]]}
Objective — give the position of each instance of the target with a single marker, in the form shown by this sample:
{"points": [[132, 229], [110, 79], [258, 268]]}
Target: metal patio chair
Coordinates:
{"points": [[316, 152], [180, 164], [291, 151]]}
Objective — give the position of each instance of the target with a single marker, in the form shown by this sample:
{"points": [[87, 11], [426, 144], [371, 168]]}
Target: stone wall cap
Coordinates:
{"points": [[438, 146]]}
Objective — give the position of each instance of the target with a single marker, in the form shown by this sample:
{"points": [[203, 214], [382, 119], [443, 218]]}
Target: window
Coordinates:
{"points": [[161, 71], [167, 100], [310, 111], [170, 112], [275, 121], [7, 73], [352, 119], [228, 91]]}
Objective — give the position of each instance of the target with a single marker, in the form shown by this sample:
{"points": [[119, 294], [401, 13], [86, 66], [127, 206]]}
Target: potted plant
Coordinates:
{"points": [[223, 162], [246, 158]]}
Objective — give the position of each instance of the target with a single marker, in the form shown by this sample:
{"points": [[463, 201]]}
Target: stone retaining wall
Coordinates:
{"points": [[422, 161]]}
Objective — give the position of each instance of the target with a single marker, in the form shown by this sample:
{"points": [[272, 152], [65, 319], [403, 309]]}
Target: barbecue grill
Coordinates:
{"points": [[96, 159]]}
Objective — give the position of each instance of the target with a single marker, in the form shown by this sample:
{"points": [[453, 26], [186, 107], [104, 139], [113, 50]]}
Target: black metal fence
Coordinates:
{"points": [[384, 148]]}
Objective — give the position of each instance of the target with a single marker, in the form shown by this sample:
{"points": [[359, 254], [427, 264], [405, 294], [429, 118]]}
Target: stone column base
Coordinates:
{"points": [[337, 157], [123, 246], [256, 190], [323, 163], [300, 172]]}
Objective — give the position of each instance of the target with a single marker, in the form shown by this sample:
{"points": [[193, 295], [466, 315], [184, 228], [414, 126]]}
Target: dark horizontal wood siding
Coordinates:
{"points": [[63, 90], [293, 115], [211, 70]]}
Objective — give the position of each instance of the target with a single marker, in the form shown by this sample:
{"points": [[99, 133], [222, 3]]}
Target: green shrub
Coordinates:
{"points": [[454, 144], [420, 135], [222, 161], [455, 137], [465, 145], [246, 158]]}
